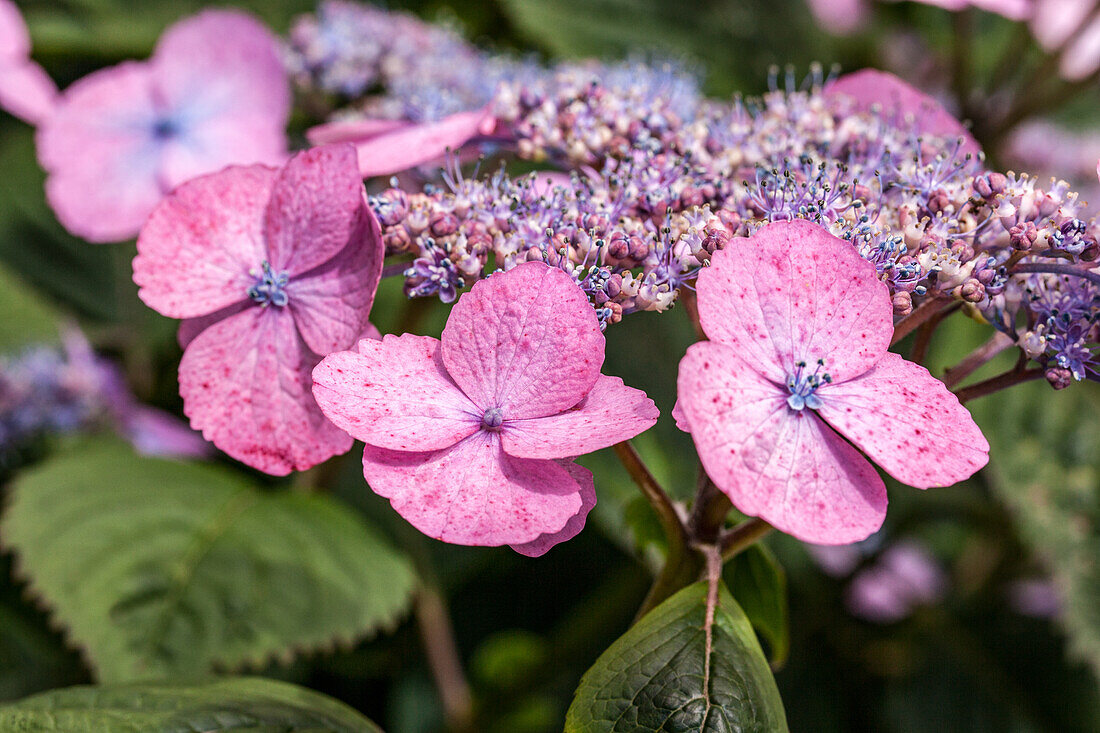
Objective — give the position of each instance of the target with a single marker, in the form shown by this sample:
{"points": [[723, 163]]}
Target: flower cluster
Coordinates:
{"points": [[47, 390], [660, 178]]}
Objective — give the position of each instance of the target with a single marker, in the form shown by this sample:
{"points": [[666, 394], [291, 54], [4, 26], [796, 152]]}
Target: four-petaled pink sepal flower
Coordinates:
{"points": [[797, 373], [26, 90], [215, 92], [273, 268], [471, 437]]}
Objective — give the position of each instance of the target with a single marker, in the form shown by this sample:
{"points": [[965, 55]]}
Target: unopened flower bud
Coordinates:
{"points": [[443, 223], [1058, 377], [903, 303], [1023, 235], [972, 291]]}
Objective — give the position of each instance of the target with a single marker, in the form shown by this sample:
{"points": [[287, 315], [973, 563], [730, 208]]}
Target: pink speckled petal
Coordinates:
{"points": [[27, 91], [611, 412], [100, 155], [786, 467], [402, 148], [792, 292], [680, 418], [315, 208], [245, 383], [573, 527], [873, 89], [192, 327], [222, 63], [353, 131], [394, 394], [906, 421], [473, 493], [197, 252], [331, 303], [526, 341]]}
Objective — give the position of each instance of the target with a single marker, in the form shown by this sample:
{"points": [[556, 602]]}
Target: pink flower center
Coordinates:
{"points": [[270, 288], [492, 419], [803, 386]]}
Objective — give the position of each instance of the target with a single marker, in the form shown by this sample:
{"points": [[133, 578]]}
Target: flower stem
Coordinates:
{"points": [[742, 536], [976, 359], [437, 635], [1056, 269], [996, 384], [925, 331], [395, 268], [667, 513], [920, 314]]}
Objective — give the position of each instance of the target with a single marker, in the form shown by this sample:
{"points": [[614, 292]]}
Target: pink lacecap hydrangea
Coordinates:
{"points": [[213, 93], [272, 268], [26, 90], [797, 376], [471, 437], [391, 146], [871, 89]]}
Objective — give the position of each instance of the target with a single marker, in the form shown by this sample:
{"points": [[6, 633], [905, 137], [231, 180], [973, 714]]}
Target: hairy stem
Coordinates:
{"points": [[437, 635], [996, 384], [976, 359], [739, 538]]}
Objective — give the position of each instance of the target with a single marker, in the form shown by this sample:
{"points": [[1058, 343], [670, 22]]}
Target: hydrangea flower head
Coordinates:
{"points": [[26, 90], [871, 89], [213, 93], [273, 268], [797, 377], [471, 437]]}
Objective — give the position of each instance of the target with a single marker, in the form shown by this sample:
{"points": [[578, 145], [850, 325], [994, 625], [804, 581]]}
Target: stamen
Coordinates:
{"points": [[492, 419], [803, 387], [270, 289]]}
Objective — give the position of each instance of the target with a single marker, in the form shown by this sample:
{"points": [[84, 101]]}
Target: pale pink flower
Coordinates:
{"points": [[1070, 29], [797, 366], [904, 576], [213, 93], [873, 90], [471, 437], [391, 146], [840, 17], [273, 268], [26, 90], [1011, 9]]}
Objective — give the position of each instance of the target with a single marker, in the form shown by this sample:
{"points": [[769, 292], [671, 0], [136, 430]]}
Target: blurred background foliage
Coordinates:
{"points": [[982, 655]]}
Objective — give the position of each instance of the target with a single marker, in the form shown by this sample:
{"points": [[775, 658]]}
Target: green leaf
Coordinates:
{"points": [[1045, 465], [161, 568], [25, 317], [735, 39], [758, 583], [37, 248], [244, 704], [662, 675]]}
